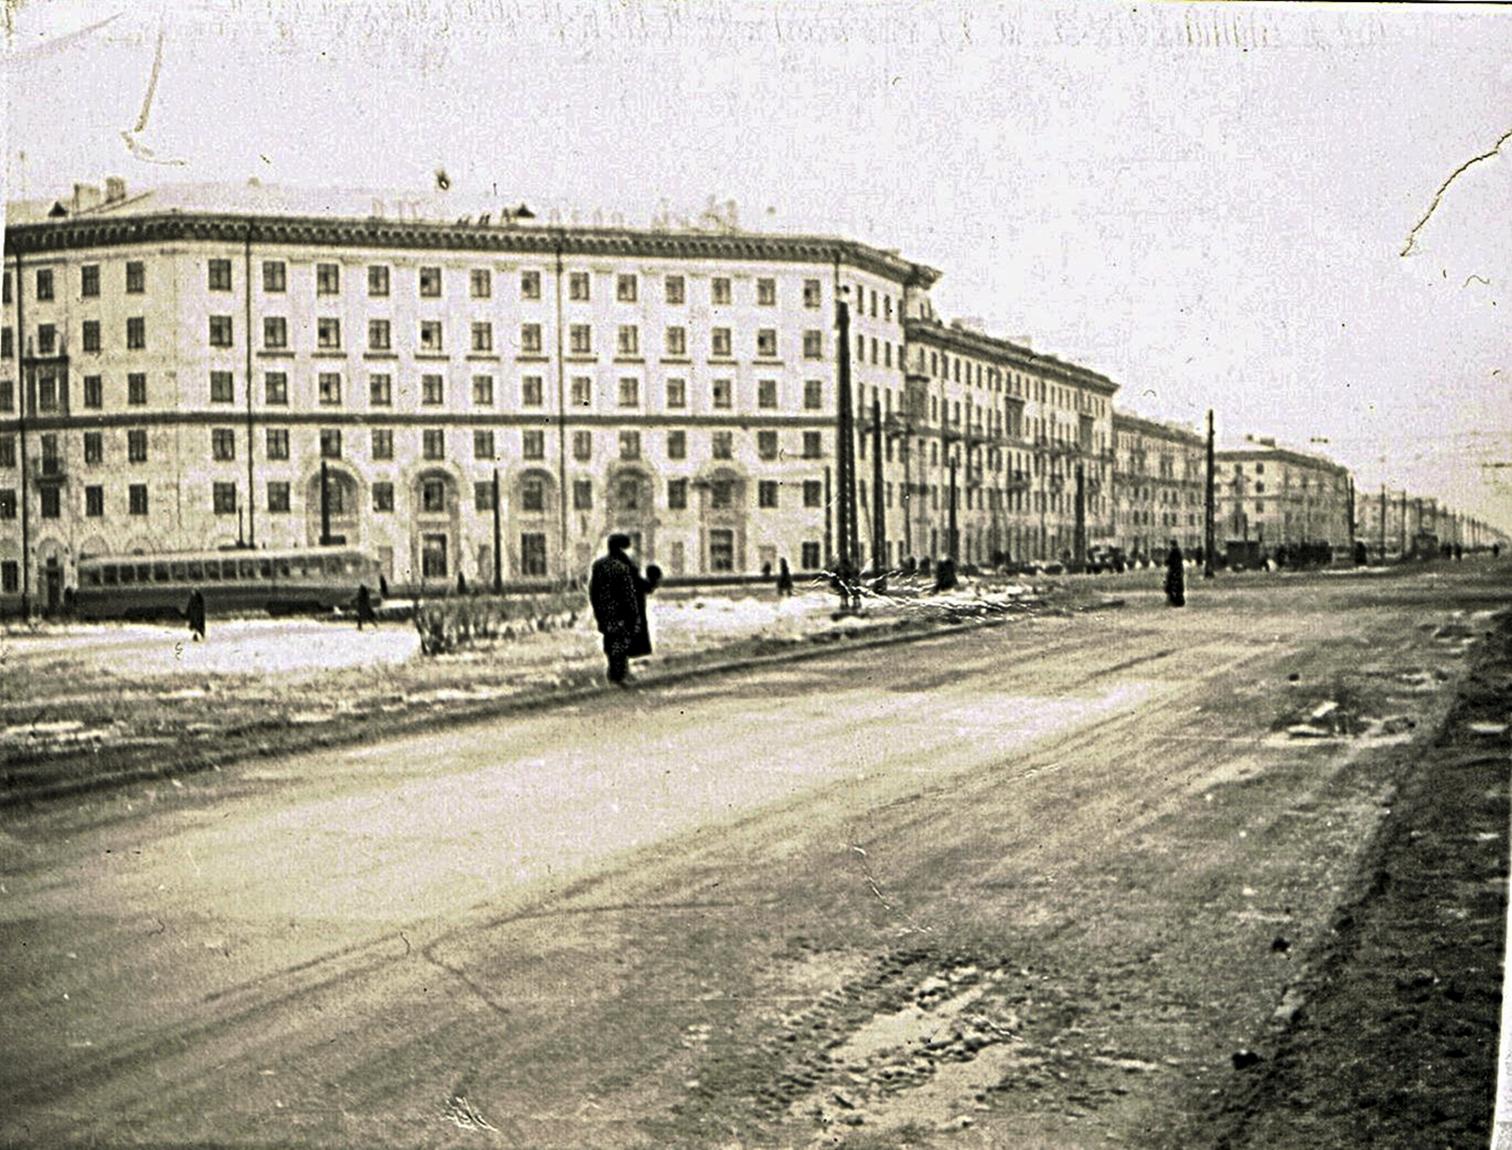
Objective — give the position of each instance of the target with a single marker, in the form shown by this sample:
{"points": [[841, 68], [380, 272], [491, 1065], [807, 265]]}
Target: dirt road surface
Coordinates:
{"points": [[1045, 886]]}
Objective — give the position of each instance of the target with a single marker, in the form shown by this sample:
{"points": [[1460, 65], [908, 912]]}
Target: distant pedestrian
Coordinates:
{"points": [[382, 586], [195, 613], [766, 569], [1496, 550], [784, 578], [1459, 551], [461, 584], [945, 575], [617, 593], [365, 612], [1361, 555], [1175, 580]]}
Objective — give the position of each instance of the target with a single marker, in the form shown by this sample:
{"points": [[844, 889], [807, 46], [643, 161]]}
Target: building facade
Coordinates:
{"points": [[1160, 486], [1282, 497]]}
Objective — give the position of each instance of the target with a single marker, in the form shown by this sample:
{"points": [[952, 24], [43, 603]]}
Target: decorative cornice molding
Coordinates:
{"points": [[1005, 353]]}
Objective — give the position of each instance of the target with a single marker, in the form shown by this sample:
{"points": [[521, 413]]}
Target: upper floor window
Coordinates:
{"points": [[430, 282], [91, 334], [328, 333], [625, 288], [582, 391], [677, 342], [530, 339], [430, 335], [677, 393], [720, 290], [813, 344], [432, 390], [766, 393], [222, 387], [482, 337], [220, 331], [766, 292], [220, 275], [136, 333], [136, 277], [275, 276], [578, 285], [330, 388], [378, 280], [327, 279], [580, 336], [89, 280], [724, 393], [275, 331], [483, 390], [379, 335], [330, 443], [766, 343], [676, 290], [94, 391], [530, 285], [480, 283], [380, 390], [813, 293], [628, 340], [629, 392], [276, 389], [45, 283], [719, 343]]}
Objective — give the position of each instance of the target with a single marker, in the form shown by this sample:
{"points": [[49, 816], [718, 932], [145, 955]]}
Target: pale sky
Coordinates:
{"points": [[1208, 202]]}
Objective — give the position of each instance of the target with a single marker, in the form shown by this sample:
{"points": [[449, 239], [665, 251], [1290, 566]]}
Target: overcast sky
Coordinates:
{"points": [[1209, 203]]}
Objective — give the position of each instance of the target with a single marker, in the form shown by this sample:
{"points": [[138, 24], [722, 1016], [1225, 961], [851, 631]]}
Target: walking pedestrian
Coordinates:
{"points": [[784, 578], [365, 613], [1175, 580], [617, 593], [195, 613]]}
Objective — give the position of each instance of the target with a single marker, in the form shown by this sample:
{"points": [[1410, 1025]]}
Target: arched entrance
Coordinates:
{"points": [[532, 522], [722, 520], [631, 509], [340, 500], [436, 533]]}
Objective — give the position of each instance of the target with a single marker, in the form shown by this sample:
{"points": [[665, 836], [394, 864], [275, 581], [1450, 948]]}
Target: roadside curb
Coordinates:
{"points": [[811, 647]]}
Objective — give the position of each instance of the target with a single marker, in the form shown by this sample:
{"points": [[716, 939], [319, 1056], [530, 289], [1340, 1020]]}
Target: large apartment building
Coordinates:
{"points": [[213, 366], [1160, 484], [1281, 497]]}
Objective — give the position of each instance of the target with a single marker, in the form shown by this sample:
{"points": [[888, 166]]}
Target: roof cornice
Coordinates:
{"points": [[1127, 420], [326, 232], [1006, 353]]}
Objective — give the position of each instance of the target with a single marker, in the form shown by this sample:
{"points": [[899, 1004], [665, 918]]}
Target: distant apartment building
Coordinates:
{"points": [[1279, 496], [213, 366], [1160, 486]]}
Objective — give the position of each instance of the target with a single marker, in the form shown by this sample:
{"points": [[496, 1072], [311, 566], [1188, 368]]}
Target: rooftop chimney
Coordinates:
{"points": [[115, 189], [85, 196]]}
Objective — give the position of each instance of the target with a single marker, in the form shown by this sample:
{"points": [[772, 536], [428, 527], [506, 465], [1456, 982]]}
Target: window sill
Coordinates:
{"points": [[482, 357], [628, 359], [275, 353], [532, 357], [677, 360], [328, 353], [432, 355], [371, 354], [582, 359]]}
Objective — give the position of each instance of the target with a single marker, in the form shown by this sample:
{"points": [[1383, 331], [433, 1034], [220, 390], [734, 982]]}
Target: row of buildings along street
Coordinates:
{"points": [[221, 366]]}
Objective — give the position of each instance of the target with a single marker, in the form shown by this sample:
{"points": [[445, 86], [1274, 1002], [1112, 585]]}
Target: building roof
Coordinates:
{"points": [[1264, 447], [438, 220], [966, 341], [1128, 421]]}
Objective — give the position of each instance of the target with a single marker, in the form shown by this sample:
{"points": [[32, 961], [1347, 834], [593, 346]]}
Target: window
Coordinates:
{"points": [[47, 339], [482, 337], [52, 503], [432, 390], [8, 509], [330, 388], [275, 332], [380, 335], [766, 494], [94, 501], [383, 496], [533, 493], [480, 283], [813, 493], [5, 292], [813, 294], [723, 444], [433, 556], [275, 276], [533, 553], [483, 495], [766, 343], [629, 444], [430, 283], [222, 444], [432, 495], [7, 343], [94, 449], [674, 289], [92, 333], [677, 342], [813, 344], [277, 443], [629, 392], [278, 496], [577, 285], [7, 395], [766, 393], [136, 333], [220, 332], [330, 443], [383, 443], [677, 494], [430, 336], [380, 390], [625, 288], [719, 343], [719, 290], [276, 389], [766, 444], [810, 559], [45, 283], [582, 391], [766, 292], [136, 495], [723, 393], [482, 390], [220, 276], [628, 343], [530, 285], [222, 387], [530, 339], [677, 393], [136, 446], [533, 445], [136, 277], [378, 280], [89, 281], [721, 495], [581, 336], [582, 446], [433, 443], [47, 391], [582, 495], [223, 498], [677, 445], [327, 279], [483, 445]]}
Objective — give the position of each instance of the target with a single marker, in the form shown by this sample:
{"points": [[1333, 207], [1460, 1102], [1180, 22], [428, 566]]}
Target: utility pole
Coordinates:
{"points": [[498, 539], [325, 506], [1404, 522], [844, 475], [1079, 538], [1351, 518], [829, 509], [1383, 523], [1210, 533], [879, 506], [951, 538]]}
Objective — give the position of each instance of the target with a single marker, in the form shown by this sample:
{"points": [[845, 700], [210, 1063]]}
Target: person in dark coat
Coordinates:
{"points": [[365, 612], [1175, 580], [945, 575], [784, 578], [617, 593], [195, 613]]}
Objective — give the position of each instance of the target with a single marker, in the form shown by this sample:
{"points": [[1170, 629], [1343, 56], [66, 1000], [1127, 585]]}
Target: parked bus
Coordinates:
{"points": [[279, 582]]}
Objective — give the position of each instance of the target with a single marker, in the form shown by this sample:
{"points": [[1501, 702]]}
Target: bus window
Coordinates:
{"points": [[90, 576], [333, 566], [246, 568], [195, 571], [228, 568], [110, 575], [284, 569], [178, 572], [265, 568], [160, 573], [128, 573], [212, 569], [144, 572]]}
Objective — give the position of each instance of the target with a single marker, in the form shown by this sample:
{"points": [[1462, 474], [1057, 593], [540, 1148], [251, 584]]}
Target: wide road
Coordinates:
{"points": [[1029, 885]]}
